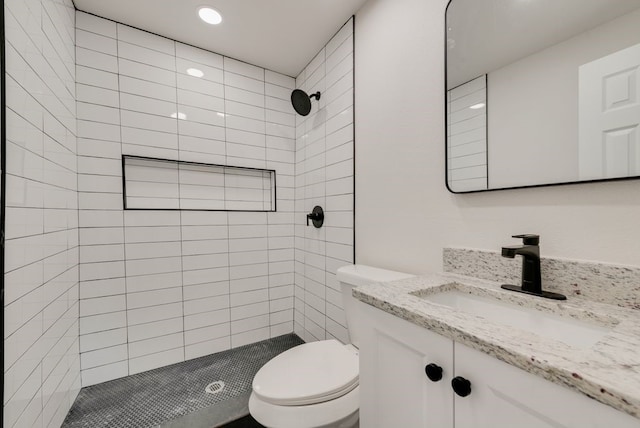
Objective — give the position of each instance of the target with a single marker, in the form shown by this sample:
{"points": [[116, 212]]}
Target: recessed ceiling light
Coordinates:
{"points": [[210, 16], [194, 72], [477, 106], [179, 115]]}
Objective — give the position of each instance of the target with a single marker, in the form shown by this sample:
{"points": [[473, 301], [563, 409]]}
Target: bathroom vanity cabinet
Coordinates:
{"points": [[395, 390]]}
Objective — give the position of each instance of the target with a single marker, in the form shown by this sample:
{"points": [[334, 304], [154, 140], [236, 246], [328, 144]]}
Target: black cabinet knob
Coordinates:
{"points": [[434, 372], [461, 386]]}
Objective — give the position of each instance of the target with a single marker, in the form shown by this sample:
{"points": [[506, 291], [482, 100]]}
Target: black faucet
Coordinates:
{"points": [[531, 279]]}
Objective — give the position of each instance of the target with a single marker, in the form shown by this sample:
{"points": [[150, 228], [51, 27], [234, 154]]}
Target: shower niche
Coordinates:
{"points": [[164, 184]]}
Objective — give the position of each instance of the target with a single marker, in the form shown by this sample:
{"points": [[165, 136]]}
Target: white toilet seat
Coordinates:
{"points": [[308, 374], [313, 385], [340, 413]]}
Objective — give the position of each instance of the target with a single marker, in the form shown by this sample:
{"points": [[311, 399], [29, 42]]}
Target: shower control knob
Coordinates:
{"points": [[434, 372], [461, 386], [316, 216]]}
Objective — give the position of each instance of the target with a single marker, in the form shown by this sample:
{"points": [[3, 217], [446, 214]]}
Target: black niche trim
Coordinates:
{"points": [[273, 173], [3, 175]]}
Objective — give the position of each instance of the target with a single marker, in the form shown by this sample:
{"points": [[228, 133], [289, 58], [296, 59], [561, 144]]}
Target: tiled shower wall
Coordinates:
{"points": [[160, 287], [41, 361], [324, 176]]}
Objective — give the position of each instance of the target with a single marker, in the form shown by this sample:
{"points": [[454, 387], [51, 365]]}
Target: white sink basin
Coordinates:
{"points": [[573, 332]]}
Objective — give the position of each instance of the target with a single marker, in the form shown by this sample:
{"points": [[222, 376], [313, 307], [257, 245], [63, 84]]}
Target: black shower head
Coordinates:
{"points": [[302, 102]]}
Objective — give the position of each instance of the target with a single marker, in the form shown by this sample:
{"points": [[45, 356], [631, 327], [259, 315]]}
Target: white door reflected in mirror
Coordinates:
{"points": [[609, 116]]}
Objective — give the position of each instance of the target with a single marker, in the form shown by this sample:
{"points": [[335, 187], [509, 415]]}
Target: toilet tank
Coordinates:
{"points": [[354, 276]]}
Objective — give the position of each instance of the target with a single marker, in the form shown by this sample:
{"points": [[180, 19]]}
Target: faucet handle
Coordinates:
{"points": [[528, 239]]}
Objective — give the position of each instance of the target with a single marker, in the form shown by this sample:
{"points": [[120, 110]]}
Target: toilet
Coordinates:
{"points": [[315, 385]]}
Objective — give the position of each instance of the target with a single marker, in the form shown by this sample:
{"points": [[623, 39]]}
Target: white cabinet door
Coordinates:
{"points": [[505, 396], [394, 389], [609, 116]]}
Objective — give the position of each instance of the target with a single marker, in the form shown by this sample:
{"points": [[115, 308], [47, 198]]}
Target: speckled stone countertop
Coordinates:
{"points": [[608, 371]]}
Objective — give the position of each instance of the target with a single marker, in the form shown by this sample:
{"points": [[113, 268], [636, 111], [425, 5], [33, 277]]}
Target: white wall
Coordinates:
{"points": [[404, 214], [41, 360], [324, 176], [160, 287], [543, 89]]}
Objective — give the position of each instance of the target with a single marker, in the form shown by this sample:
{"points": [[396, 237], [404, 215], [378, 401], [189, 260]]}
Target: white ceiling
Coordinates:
{"points": [[280, 35], [489, 34]]}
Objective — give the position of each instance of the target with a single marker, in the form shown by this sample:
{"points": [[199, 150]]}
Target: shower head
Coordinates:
{"points": [[302, 102]]}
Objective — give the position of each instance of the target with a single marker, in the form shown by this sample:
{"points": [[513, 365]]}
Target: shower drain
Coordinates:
{"points": [[214, 387]]}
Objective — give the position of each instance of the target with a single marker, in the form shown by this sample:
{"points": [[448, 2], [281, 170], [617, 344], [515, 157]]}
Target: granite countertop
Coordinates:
{"points": [[608, 371]]}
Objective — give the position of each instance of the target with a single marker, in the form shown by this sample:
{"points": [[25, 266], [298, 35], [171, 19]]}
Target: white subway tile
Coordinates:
{"points": [[97, 218], [96, 323], [152, 234], [243, 68], [276, 91], [148, 121], [146, 56], [343, 34], [95, 24], [153, 250], [148, 139], [146, 88], [204, 319], [203, 101], [153, 282], [149, 362], [206, 333], [26, 402], [282, 329], [154, 329], [102, 305], [146, 39], [344, 48], [243, 82], [209, 304], [279, 79], [86, 76], [248, 311], [103, 339], [199, 55], [101, 287], [244, 96], [203, 276], [152, 218], [101, 253], [146, 72], [153, 298], [251, 336], [154, 313], [281, 317], [97, 95], [199, 70], [96, 42], [98, 113], [155, 345], [100, 357], [209, 347], [104, 373], [98, 60], [151, 266]]}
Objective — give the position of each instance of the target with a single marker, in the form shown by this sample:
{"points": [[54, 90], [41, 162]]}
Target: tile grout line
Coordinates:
{"points": [[124, 229]]}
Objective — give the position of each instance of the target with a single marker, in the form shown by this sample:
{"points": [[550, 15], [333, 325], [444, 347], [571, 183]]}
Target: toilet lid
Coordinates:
{"points": [[308, 374]]}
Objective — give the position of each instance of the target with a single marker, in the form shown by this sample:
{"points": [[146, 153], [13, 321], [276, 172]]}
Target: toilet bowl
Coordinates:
{"points": [[315, 385]]}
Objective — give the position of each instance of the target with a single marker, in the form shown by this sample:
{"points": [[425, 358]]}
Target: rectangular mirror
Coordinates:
{"points": [[541, 92]]}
